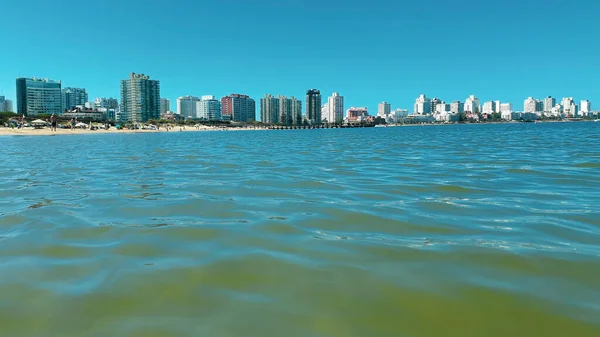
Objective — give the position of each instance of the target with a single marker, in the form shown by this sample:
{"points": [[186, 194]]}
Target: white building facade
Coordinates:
{"points": [[422, 105], [384, 109], [334, 113], [208, 108]]}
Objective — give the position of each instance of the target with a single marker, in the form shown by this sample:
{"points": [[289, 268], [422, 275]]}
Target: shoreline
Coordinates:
{"points": [[47, 132], [4, 131]]}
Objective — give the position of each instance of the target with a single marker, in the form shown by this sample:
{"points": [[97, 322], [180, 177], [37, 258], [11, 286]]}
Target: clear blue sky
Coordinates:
{"points": [[369, 51]]}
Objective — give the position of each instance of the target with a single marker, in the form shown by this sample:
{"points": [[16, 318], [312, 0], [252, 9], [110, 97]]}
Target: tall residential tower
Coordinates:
{"points": [[140, 99]]}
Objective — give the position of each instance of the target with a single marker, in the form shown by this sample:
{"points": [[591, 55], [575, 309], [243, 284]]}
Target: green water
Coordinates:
{"points": [[472, 230]]}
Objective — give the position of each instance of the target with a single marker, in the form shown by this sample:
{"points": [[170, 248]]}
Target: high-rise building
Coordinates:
{"points": [[489, 107], [140, 99], [165, 105], [422, 105], [72, 97], [442, 107], [269, 109], [549, 103], [506, 108], [529, 105], [108, 103], [434, 103], [290, 110], [383, 109], [313, 106], [238, 108], [186, 106], [585, 106], [208, 108], [296, 110], [38, 96], [497, 106], [457, 107], [335, 109], [567, 103], [472, 104], [325, 111], [6, 105]]}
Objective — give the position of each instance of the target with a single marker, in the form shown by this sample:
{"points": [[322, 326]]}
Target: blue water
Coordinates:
{"points": [[463, 230]]}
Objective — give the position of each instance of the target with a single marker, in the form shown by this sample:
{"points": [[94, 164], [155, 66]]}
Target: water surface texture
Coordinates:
{"points": [[468, 230]]}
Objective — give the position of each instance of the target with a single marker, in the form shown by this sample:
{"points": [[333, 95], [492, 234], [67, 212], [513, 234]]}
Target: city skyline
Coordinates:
{"points": [[367, 64], [37, 95]]}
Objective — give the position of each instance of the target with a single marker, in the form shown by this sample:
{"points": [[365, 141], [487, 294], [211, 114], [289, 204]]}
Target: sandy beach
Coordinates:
{"points": [[47, 132]]}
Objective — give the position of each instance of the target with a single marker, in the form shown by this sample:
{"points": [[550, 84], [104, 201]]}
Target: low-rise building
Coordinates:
{"points": [[84, 114]]}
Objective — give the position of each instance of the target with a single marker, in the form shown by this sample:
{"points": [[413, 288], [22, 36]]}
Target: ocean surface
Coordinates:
{"points": [[466, 230]]}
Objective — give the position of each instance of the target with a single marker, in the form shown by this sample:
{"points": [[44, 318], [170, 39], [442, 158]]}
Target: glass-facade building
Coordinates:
{"points": [[72, 97], [313, 106], [37, 96], [140, 99]]}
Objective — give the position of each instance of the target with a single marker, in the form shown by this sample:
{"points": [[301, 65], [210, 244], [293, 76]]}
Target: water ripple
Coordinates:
{"points": [[471, 230]]}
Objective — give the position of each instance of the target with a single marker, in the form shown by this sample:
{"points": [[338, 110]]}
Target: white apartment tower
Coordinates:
{"points": [[335, 108], [567, 103], [472, 104], [585, 106], [457, 107], [384, 109], [422, 105], [549, 103], [529, 105], [208, 108], [489, 107]]}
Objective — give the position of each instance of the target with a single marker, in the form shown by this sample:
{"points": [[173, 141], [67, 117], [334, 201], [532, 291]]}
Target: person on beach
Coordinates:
{"points": [[52, 123], [72, 124]]}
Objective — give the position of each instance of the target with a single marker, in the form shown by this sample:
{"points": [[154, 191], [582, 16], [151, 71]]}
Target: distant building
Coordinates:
{"points": [[140, 99], [325, 111], [549, 103], [85, 114], [238, 108], [313, 106], [72, 97], [335, 109], [489, 107], [165, 105], [457, 107], [585, 107], [567, 103], [186, 106], [109, 103], [497, 106], [37, 96], [506, 108], [384, 109], [290, 110], [269, 109], [442, 107], [529, 105], [472, 104], [354, 113], [6, 105], [422, 105], [208, 108], [434, 103]]}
